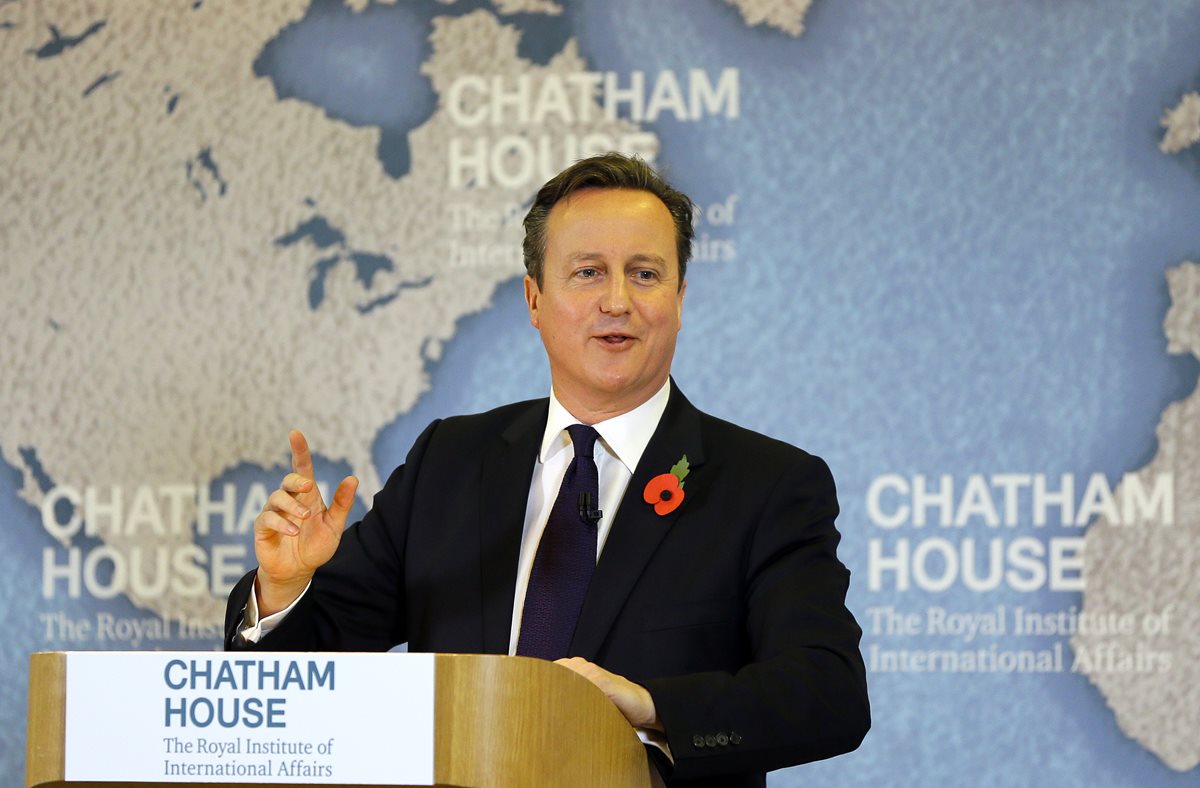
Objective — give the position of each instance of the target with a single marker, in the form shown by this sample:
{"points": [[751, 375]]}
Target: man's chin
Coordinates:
{"points": [[621, 387]]}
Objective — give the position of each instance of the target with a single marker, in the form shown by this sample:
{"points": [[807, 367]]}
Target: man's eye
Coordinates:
{"points": [[587, 273], [646, 276]]}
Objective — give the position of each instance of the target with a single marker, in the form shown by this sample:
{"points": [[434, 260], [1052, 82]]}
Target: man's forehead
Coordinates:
{"points": [[633, 226], [625, 195], [641, 211]]}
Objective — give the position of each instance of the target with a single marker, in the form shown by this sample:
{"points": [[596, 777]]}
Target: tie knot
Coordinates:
{"points": [[583, 438]]}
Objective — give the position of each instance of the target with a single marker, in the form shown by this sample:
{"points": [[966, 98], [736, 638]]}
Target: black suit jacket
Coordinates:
{"points": [[730, 610]]}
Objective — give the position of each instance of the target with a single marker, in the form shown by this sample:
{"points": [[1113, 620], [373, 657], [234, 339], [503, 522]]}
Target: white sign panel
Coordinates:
{"points": [[163, 717]]}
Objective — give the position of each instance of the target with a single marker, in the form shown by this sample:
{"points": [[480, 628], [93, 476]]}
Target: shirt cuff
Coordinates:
{"points": [[656, 739], [253, 629]]}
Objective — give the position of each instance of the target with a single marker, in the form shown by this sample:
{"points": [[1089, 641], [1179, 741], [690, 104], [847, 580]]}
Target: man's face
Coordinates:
{"points": [[610, 303]]}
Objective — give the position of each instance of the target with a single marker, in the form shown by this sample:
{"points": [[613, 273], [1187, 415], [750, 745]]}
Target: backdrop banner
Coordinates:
{"points": [[951, 247]]}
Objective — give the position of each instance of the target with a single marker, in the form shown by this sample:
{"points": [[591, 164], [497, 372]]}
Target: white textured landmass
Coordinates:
{"points": [[1182, 123], [154, 332], [785, 15], [547, 7], [505, 7], [1146, 568]]}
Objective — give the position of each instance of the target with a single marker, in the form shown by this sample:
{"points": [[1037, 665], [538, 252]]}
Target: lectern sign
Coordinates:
{"points": [[163, 717]]}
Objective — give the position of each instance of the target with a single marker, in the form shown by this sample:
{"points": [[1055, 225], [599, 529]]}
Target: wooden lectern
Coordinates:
{"points": [[499, 721]]}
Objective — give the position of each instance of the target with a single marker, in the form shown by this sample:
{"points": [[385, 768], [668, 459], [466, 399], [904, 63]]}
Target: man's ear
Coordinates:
{"points": [[532, 294]]}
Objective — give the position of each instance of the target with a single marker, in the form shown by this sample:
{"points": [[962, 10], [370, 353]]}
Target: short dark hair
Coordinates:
{"points": [[606, 171]]}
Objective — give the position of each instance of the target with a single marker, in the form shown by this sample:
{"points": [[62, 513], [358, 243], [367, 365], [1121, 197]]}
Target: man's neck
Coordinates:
{"points": [[600, 409]]}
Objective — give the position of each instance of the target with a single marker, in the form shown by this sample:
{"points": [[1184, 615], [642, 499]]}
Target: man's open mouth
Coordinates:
{"points": [[614, 339]]}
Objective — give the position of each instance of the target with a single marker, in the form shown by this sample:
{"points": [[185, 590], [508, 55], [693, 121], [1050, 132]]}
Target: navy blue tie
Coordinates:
{"points": [[565, 558]]}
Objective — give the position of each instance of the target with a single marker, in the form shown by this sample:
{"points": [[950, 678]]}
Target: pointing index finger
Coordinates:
{"points": [[301, 457]]}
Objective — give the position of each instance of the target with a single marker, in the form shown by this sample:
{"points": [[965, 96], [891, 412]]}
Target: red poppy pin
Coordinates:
{"points": [[665, 491]]}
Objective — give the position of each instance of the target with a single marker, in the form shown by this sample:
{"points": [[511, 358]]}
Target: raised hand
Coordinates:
{"points": [[296, 532]]}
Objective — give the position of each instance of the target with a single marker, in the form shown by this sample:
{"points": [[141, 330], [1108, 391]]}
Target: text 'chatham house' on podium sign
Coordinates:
{"points": [[162, 717]]}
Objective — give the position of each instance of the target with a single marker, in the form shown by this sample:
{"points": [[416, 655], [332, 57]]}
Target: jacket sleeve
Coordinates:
{"points": [[802, 694]]}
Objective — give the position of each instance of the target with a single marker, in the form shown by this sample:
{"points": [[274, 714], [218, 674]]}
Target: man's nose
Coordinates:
{"points": [[616, 300]]}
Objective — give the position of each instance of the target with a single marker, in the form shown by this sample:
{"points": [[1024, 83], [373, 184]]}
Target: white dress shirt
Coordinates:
{"points": [[622, 441]]}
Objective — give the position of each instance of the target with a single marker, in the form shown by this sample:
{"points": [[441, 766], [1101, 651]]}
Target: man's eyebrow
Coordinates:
{"points": [[656, 259], [600, 257], [581, 257]]}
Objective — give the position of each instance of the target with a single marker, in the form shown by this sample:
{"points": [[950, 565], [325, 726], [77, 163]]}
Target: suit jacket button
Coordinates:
{"points": [[722, 739], [735, 737], [710, 740], [698, 742]]}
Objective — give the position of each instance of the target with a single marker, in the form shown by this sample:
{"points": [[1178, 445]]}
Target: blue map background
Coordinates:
{"points": [[952, 227]]}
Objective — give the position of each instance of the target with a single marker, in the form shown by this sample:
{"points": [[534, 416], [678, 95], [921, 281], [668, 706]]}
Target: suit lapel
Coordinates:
{"points": [[506, 475], [637, 530]]}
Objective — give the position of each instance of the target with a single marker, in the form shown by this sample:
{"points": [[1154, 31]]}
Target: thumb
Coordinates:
{"points": [[343, 500]]}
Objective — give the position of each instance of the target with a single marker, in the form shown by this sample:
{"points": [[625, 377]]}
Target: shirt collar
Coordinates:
{"points": [[626, 436]]}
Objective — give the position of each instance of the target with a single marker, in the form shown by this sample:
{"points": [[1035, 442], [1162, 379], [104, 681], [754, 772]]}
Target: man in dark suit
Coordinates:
{"points": [[714, 615]]}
